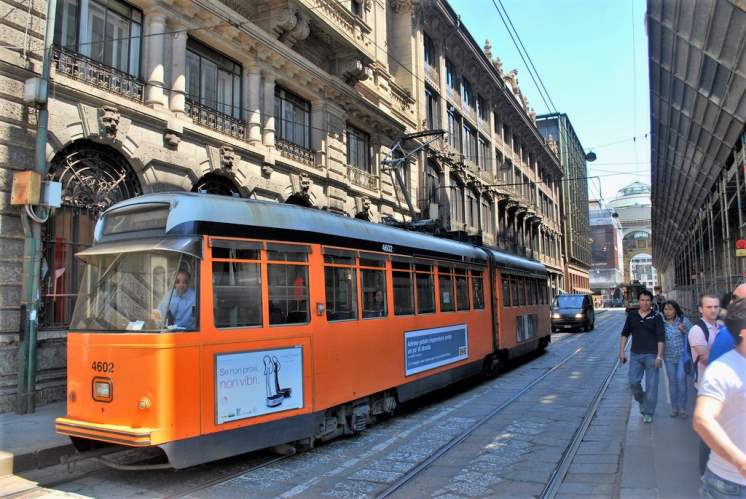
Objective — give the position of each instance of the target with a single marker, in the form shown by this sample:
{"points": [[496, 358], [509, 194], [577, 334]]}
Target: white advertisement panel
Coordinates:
{"points": [[250, 384], [430, 348]]}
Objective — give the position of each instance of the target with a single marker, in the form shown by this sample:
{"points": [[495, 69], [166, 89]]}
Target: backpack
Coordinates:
{"points": [[703, 326]]}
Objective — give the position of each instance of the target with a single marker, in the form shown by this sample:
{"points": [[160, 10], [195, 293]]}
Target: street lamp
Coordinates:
{"points": [[590, 157]]}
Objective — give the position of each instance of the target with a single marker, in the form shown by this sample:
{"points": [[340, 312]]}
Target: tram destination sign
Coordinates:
{"points": [[430, 348], [249, 384]]}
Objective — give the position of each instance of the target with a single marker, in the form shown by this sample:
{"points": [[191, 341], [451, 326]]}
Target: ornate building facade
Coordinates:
{"points": [[294, 101], [492, 176]]}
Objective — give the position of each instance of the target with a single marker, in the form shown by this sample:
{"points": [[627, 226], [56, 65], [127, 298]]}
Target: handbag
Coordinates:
{"points": [[686, 357]]}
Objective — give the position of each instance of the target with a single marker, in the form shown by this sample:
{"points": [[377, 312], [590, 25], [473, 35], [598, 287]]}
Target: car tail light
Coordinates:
{"points": [[103, 391]]}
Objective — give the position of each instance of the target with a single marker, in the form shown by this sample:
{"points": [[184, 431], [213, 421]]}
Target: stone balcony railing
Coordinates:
{"points": [[295, 152], [344, 22], [453, 95], [85, 69], [361, 178], [210, 118]]}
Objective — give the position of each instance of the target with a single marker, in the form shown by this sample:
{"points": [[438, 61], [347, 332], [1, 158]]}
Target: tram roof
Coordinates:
{"points": [[514, 262], [192, 213]]}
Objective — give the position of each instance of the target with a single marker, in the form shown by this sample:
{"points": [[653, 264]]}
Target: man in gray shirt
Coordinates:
{"points": [[720, 411]]}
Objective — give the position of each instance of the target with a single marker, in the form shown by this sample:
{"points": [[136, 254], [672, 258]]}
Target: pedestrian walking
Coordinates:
{"points": [[724, 341], [719, 414], [646, 357], [702, 335], [676, 327]]}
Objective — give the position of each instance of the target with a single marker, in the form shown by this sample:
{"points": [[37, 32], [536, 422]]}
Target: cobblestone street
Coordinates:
{"points": [[513, 453]]}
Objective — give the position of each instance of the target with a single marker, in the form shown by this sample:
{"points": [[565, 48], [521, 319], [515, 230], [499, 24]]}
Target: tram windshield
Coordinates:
{"points": [[147, 291]]}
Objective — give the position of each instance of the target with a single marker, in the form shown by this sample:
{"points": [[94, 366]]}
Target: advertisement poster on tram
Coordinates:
{"points": [[431, 348], [250, 384]]}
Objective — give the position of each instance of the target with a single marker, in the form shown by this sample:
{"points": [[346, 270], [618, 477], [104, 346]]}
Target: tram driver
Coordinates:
{"points": [[179, 306]]}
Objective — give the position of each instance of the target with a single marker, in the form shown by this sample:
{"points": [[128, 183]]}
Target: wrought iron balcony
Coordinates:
{"points": [[362, 178], [85, 69], [210, 118], [295, 152]]}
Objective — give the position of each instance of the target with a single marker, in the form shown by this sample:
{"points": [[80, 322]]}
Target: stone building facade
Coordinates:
{"points": [[493, 176], [294, 101]]}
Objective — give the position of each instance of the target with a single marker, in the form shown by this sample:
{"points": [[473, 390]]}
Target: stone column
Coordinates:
{"points": [[252, 98], [268, 119], [178, 71], [155, 24]]}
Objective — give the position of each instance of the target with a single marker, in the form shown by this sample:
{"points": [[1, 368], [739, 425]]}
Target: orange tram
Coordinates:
{"points": [[211, 326]]}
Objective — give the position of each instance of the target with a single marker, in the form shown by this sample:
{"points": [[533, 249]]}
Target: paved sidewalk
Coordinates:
{"points": [[660, 459], [29, 441]]}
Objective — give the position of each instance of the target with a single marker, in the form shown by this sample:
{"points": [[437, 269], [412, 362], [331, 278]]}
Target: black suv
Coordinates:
{"points": [[573, 311]]}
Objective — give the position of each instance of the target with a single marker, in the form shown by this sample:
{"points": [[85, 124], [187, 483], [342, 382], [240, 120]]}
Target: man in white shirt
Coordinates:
{"points": [[720, 412], [702, 334]]}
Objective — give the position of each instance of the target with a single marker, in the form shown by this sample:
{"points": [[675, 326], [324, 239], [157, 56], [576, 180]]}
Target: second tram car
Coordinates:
{"points": [[211, 326]]}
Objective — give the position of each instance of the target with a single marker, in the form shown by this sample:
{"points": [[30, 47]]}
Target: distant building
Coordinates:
{"points": [[607, 267], [632, 205], [574, 192]]}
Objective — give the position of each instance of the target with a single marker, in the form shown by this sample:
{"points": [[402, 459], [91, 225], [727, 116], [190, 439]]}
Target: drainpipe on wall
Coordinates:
{"points": [[32, 240]]}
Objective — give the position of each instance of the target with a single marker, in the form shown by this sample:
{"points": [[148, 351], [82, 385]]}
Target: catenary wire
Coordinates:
{"points": [[531, 62], [521, 54]]}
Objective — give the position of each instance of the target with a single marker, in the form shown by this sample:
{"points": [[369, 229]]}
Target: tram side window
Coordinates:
{"points": [[341, 285], [447, 297], [517, 291], [425, 288], [477, 287], [530, 291], [462, 290], [287, 274], [506, 292], [236, 284], [403, 289], [373, 284]]}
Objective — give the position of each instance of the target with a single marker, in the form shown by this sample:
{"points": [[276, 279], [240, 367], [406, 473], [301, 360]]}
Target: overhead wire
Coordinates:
{"points": [[530, 73], [530, 66]]}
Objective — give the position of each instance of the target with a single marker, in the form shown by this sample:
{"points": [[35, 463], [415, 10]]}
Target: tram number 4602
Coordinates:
{"points": [[102, 367]]}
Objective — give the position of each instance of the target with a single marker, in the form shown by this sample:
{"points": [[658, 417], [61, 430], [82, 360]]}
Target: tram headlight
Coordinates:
{"points": [[578, 316], [102, 389], [555, 316], [144, 403]]}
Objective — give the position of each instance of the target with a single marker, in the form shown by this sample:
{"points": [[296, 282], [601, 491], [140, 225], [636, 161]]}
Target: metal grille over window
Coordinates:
{"points": [[236, 284], [93, 178], [287, 273], [341, 285]]}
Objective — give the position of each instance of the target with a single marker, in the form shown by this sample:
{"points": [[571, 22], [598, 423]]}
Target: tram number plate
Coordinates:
{"points": [[102, 367]]}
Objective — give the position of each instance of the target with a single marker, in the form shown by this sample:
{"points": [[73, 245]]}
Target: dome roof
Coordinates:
{"points": [[634, 194]]}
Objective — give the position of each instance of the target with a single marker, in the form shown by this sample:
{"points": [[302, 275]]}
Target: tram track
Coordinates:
{"points": [[551, 488], [215, 476]]}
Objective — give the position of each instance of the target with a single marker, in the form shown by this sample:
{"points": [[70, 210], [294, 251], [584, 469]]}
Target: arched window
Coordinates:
{"points": [[214, 183], [93, 178]]}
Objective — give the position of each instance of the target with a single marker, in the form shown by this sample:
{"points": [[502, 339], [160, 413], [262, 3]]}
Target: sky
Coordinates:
{"points": [[592, 56]]}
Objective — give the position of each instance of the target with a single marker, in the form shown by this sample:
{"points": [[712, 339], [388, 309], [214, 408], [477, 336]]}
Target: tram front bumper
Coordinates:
{"points": [[115, 434]]}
